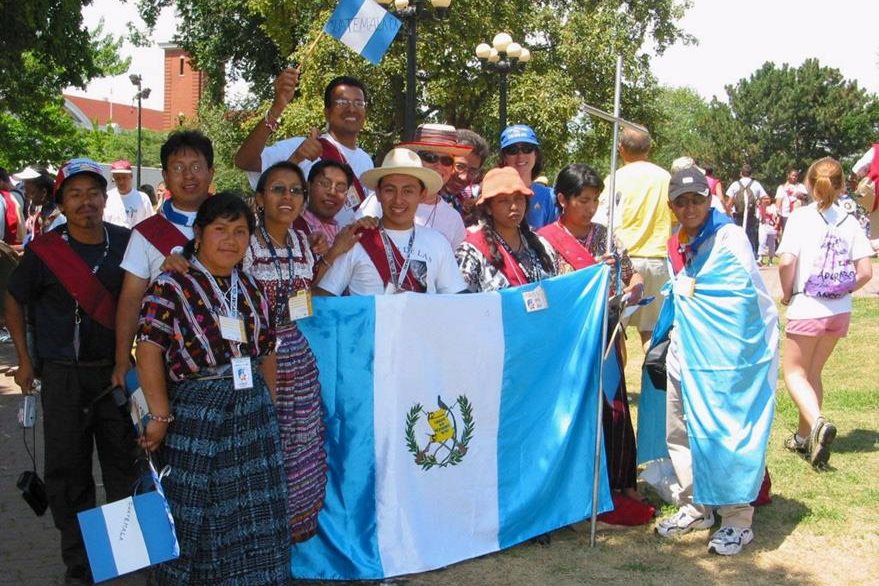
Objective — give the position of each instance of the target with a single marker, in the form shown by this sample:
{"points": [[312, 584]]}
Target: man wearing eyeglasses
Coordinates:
{"points": [[437, 146], [188, 169], [462, 188], [345, 113]]}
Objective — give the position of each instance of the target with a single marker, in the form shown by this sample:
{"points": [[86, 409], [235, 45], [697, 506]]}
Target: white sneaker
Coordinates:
{"points": [[730, 540], [683, 522]]}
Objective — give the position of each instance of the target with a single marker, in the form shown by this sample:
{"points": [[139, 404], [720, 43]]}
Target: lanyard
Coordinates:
{"points": [[530, 268], [77, 318], [397, 278], [230, 308], [176, 217], [285, 286]]}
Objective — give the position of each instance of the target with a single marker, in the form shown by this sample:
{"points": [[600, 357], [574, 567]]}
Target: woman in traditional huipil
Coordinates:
{"points": [[279, 258], [501, 250], [578, 243], [205, 358]]}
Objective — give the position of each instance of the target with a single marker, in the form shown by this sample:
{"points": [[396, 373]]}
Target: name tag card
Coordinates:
{"points": [[299, 305], [535, 300], [232, 329], [242, 375], [685, 286]]}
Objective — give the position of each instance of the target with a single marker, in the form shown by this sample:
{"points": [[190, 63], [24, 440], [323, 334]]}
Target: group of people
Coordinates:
{"points": [[209, 291]]}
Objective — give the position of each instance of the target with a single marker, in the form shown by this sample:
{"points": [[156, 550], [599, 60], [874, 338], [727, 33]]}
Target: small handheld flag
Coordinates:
{"points": [[365, 27]]}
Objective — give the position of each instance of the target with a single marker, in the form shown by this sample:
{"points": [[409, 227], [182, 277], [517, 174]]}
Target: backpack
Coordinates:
{"points": [[742, 196], [833, 273]]}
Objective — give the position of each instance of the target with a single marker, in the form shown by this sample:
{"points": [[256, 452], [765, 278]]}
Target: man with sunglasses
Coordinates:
{"points": [[345, 113], [437, 146], [721, 372]]}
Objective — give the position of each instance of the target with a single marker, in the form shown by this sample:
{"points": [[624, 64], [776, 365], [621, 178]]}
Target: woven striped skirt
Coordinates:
{"points": [[300, 417], [226, 486]]}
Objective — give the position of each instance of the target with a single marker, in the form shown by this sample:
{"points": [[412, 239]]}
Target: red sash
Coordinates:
{"points": [[334, 154], [511, 269], [674, 254], [872, 173], [161, 233], [574, 253], [77, 278], [11, 220], [371, 240]]}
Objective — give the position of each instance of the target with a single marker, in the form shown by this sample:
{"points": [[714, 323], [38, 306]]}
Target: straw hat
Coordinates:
{"points": [[400, 161], [502, 181], [438, 138]]}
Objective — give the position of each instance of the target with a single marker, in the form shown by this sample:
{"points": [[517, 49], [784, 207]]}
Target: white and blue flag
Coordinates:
{"points": [[457, 425], [365, 27]]}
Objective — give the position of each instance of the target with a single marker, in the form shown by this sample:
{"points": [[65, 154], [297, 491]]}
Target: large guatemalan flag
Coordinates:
{"points": [[365, 27], [457, 425]]}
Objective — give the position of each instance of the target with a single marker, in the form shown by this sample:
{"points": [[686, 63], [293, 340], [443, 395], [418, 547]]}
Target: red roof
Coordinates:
{"points": [[125, 115]]}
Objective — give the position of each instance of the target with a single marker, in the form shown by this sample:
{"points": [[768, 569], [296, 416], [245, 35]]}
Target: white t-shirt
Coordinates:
{"points": [[357, 158], [440, 216], [432, 261], [144, 260], [127, 210], [787, 195], [803, 237], [863, 164]]}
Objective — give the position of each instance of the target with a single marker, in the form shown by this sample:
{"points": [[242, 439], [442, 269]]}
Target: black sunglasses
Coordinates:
{"points": [[433, 158], [524, 148]]}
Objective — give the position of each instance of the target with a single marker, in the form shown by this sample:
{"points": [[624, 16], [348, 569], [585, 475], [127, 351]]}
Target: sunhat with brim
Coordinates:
{"points": [[518, 133], [25, 174], [502, 181], [75, 167], [400, 161], [437, 138]]}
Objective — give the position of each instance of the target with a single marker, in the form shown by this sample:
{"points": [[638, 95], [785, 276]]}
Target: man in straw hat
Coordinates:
{"points": [[345, 113], [437, 146], [397, 256]]}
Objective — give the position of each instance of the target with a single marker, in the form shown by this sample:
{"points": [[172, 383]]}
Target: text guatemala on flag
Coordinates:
{"points": [[365, 27], [457, 425]]}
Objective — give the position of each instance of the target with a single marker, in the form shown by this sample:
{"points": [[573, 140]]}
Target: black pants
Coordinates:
{"points": [[750, 231], [72, 427]]}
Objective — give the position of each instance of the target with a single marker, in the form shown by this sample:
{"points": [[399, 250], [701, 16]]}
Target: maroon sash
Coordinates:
{"points": [[11, 219], [574, 253], [334, 154], [872, 173], [371, 240], [511, 269], [161, 233], [77, 277]]}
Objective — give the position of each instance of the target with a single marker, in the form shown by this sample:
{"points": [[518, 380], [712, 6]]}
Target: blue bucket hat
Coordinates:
{"points": [[518, 133]]}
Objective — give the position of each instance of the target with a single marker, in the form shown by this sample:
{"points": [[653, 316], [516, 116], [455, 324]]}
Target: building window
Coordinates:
{"points": [[182, 61]]}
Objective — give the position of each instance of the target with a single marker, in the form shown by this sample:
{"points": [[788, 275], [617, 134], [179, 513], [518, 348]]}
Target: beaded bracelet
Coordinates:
{"points": [[272, 123], [160, 418]]}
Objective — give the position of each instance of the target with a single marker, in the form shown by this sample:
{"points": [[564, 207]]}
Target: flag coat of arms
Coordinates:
{"points": [[363, 26], [457, 425]]}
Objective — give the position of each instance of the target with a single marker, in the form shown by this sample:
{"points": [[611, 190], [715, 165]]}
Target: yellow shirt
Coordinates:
{"points": [[643, 218]]}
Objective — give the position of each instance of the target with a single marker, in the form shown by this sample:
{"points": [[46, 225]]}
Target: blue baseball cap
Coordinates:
{"points": [[518, 133], [75, 167]]}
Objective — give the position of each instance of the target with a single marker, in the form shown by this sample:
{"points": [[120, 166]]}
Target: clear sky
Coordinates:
{"points": [[735, 39]]}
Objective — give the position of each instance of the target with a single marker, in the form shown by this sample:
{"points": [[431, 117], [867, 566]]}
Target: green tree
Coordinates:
{"points": [[574, 46], [787, 117], [108, 144], [678, 131]]}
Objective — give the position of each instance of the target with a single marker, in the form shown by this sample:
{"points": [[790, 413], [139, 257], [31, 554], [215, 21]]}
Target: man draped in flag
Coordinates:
{"points": [[397, 256], [722, 368]]}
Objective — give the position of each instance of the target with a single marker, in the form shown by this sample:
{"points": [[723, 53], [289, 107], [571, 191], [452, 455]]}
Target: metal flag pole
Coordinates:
{"points": [[596, 470]]}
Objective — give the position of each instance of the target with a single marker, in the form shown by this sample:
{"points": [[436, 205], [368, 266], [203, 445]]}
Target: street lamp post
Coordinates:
{"points": [[142, 94], [409, 11], [504, 56]]}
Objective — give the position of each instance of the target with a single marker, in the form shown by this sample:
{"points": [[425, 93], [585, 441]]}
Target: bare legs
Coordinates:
{"points": [[804, 359]]}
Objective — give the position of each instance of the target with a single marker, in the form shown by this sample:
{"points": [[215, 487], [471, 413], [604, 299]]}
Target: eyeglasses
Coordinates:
{"points": [[471, 171], [434, 158], [280, 190], [695, 200], [356, 104], [524, 148], [180, 168], [326, 184]]}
